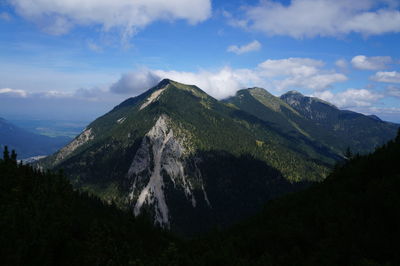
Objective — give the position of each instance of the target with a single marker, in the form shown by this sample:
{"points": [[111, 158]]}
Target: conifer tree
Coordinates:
{"points": [[6, 154], [13, 156]]}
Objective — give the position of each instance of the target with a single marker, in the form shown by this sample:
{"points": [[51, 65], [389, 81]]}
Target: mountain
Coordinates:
{"points": [[341, 128], [315, 119], [188, 160], [352, 218], [28, 144]]}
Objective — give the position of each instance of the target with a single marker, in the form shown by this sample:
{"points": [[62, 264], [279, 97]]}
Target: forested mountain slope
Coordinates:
{"points": [[352, 218], [190, 160], [316, 120], [45, 222]]}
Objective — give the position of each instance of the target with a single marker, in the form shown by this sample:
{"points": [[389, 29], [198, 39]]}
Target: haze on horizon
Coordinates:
{"points": [[68, 59]]}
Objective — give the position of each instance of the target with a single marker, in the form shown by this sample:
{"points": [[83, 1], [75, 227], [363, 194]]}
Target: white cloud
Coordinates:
{"points": [[13, 93], [315, 82], [220, 84], [250, 47], [388, 77], [370, 63], [59, 16], [291, 66], [350, 98], [310, 18], [275, 75], [51, 94], [135, 82], [299, 72]]}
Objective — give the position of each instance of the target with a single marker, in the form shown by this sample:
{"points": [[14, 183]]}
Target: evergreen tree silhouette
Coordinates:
{"points": [[6, 154], [14, 157]]}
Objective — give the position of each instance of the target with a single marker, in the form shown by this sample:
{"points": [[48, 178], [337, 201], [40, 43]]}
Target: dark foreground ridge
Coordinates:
{"points": [[45, 222]]}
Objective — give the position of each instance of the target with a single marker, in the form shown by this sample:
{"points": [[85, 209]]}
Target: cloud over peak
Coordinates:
{"points": [[135, 82], [275, 75]]}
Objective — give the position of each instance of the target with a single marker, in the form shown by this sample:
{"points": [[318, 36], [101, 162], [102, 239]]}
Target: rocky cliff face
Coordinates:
{"points": [[83, 138], [161, 156]]}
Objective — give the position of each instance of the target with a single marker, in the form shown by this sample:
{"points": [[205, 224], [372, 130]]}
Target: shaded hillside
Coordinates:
{"points": [[352, 218], [45, 222], [26, 143]]}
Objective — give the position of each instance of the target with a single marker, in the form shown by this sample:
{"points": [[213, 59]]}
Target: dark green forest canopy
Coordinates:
{"points": [[352, 218], [45, 222]]}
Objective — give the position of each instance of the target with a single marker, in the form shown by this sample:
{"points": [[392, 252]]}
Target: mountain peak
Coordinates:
{"points": [[259, 90], [292, 93], [295, 98], [164, 82]]}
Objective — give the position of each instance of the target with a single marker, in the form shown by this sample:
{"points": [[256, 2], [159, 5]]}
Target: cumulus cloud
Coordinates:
{"points": [[315, 82], [310, 18], [60, 16], [291, 66], [250, 47], [299, 72], [275, 75], [219, 84], [371, 63], [388, 77], [350, 98], [13, 93], [135, 82]]}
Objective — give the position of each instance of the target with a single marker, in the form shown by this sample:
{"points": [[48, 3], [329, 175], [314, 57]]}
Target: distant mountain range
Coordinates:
{"points": [[316, 120], [28, 144], [192, 162]]}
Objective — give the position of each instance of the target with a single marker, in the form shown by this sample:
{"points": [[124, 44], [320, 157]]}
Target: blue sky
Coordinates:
{"points": [[70, 59]]}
